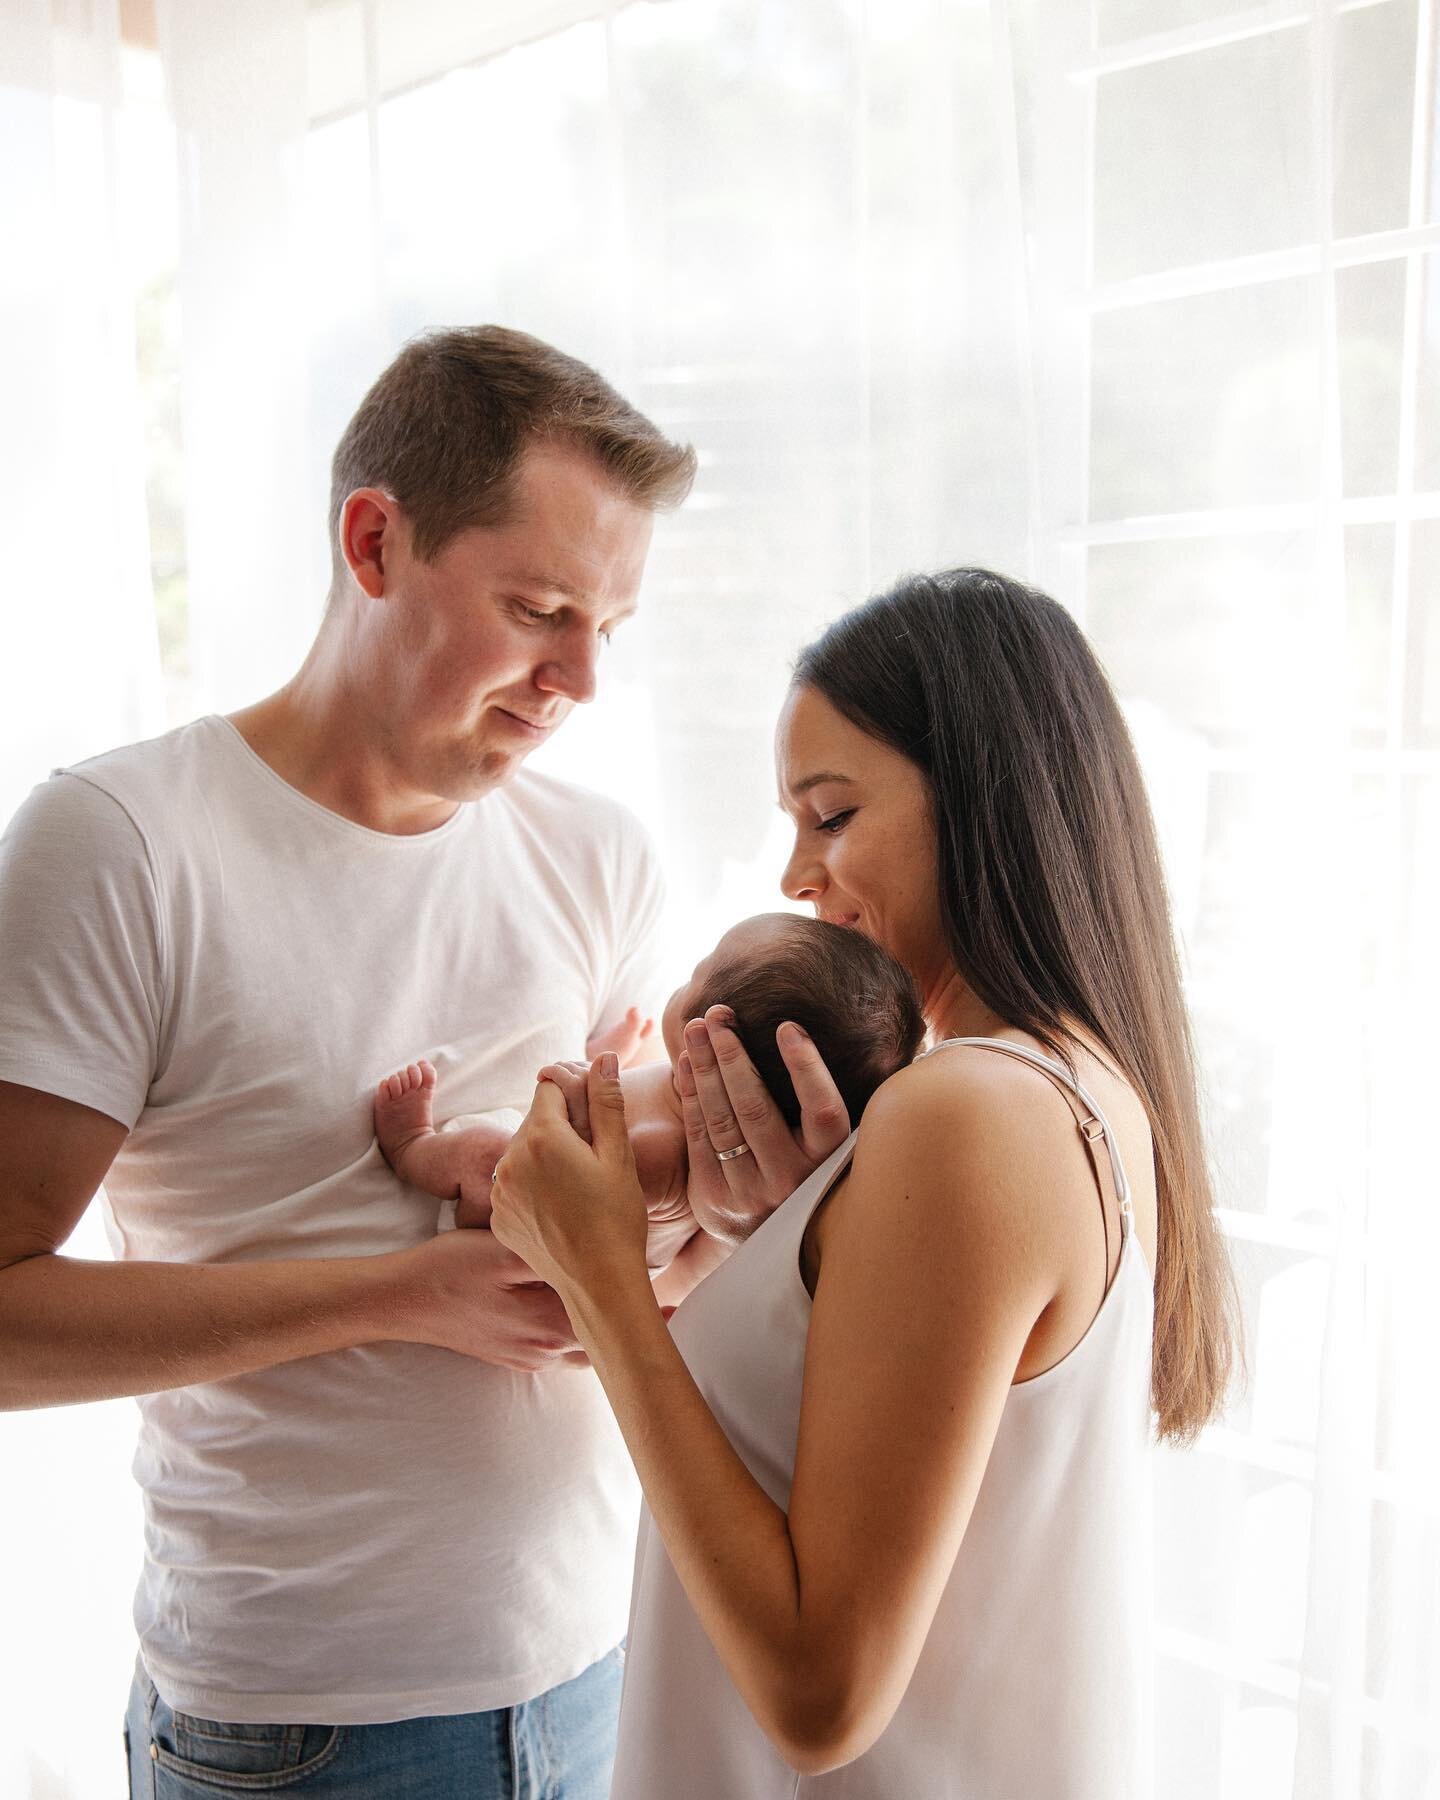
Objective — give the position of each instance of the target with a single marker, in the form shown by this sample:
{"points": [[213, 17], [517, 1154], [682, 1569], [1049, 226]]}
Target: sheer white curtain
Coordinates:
{"points": [[1138, 299], [80, 660], [79, 667]]}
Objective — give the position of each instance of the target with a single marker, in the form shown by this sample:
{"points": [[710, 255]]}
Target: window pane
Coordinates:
{"points": [[1427, 437], [1116, 21], [1190, 1710], [1370, 317], [1287, 1350], [1422, 661], [1204, 156], [1260, 1740], [496, 191], [1374, 84], [1369, 579], [1274, 1529], [1211, 400], [1231, 990], [1200, 626], [1198, 1498]]}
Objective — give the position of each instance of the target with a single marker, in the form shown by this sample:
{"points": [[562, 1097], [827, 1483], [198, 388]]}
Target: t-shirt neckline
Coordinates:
{"points": [[406, 842]]}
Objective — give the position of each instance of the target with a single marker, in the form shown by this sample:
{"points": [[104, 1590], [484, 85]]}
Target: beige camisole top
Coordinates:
{"points": [[1035, 1679]]}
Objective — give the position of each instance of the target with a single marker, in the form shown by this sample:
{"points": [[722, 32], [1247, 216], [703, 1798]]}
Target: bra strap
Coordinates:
{"points": [[1108, 1170]]}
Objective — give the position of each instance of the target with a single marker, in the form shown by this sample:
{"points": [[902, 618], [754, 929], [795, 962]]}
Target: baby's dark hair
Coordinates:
{"points": [[856, 1001]]}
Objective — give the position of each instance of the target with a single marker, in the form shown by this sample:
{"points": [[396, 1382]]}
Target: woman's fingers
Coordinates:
{"points": [[739, 1111], [607, 1110], [824, 1119], [709, 1191]]}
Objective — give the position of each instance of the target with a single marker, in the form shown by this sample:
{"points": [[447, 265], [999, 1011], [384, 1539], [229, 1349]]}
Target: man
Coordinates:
{"points": [[374, 1566]]}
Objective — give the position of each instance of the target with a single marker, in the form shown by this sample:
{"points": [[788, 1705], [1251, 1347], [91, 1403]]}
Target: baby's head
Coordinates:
{"points": [[855, 1000]]}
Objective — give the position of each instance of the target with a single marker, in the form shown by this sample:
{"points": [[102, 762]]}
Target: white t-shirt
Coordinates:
{"points": [[194, 948]]}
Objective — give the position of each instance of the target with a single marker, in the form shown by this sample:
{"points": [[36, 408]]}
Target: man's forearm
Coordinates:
{"points": [[73, 1331]]}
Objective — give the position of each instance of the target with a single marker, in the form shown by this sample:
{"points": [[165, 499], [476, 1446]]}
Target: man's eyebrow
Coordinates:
{"points": [[552, 584], [804, 785], [548, 584]]}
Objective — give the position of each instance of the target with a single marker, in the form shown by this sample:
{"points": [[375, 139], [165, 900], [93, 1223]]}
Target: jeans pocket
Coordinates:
{"points": [[208, 1756]]}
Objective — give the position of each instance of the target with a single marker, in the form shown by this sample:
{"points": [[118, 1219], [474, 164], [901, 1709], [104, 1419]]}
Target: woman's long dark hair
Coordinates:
{"points": [[1052, 894]]}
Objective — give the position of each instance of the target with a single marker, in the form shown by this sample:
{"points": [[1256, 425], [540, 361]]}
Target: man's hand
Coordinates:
{"points": [[727, 1105], [633, 1040], [464, 1291]]}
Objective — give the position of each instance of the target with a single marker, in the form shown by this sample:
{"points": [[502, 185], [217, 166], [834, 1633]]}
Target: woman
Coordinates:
{"points": [[895, 1458]]}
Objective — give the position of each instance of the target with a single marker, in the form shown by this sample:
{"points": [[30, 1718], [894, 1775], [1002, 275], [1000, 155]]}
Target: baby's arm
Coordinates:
{"points": [[458, 1163], [452, 1165]]}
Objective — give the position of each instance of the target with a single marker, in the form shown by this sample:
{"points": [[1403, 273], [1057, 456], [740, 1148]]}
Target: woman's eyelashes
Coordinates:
{"points": [[836, 822]]}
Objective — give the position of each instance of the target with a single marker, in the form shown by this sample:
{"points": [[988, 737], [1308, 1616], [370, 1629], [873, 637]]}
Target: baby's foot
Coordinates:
{"points": [[403, 1110]]}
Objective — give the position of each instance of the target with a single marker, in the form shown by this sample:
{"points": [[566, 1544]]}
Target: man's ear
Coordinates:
{"points": [[368, 521]]}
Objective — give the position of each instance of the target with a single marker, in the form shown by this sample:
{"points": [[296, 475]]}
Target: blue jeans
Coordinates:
{"points": [[559, 1746]]}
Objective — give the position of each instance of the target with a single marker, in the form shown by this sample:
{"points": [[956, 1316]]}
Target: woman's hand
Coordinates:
{"points": [[572, 1209], [727, 1105]]}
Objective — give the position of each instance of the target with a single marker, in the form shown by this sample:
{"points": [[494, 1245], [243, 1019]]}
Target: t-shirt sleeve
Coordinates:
{"points": [[637, 975], [81, 981]]}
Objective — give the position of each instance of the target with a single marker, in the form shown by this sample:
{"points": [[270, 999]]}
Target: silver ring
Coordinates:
{"points": [[730, 1155]]}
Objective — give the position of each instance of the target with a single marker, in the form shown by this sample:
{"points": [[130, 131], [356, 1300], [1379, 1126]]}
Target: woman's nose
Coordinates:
{"points": [[803, 877]]}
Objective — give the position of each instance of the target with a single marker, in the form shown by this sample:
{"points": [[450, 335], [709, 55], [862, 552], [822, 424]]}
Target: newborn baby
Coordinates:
{"points": [[857, 1003]]}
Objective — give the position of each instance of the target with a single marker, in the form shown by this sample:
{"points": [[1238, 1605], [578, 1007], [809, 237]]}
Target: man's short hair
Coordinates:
{"points": [[857, 1002], [444, 427]]}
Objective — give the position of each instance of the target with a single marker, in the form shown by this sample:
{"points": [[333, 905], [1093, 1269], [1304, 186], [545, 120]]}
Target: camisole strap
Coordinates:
{"points": [[1094, 1127]]}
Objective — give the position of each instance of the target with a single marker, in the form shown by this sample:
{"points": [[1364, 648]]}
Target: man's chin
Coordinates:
{"points": [[480, 771]]}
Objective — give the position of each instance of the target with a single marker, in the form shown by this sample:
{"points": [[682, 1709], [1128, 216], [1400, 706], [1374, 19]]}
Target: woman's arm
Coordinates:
{"points": [[936, 1266]]}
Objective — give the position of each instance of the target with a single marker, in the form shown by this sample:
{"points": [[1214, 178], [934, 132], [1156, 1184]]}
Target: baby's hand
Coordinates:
{"points": [[625, 1039], [571, 1078]]}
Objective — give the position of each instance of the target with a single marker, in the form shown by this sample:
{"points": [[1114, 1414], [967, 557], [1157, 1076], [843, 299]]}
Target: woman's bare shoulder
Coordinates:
{"points": [[955, 1170], [970, 1130], [976, 1124], [962, 1088]]}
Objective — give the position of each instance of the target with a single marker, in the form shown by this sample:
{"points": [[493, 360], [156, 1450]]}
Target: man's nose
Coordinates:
{"points": [[572, 672]]}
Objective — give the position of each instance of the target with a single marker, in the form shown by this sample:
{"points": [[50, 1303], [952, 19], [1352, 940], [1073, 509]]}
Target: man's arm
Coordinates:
{"points": [[73, 1330]]}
